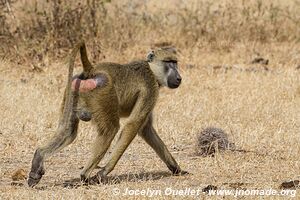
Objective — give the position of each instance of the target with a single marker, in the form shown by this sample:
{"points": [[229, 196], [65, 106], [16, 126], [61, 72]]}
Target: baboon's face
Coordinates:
{"points": [[163, 63], [172, 74]]}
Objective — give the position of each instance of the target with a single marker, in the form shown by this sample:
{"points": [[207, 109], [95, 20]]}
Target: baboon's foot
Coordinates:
{"points": [[34, 178], [181, 173], [84, 115], [37, 169]]}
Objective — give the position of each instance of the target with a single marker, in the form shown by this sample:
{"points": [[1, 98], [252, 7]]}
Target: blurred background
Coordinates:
{"points": [[37, 30]]}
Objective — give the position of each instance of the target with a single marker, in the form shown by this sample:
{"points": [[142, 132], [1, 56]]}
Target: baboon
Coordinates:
{"points": [[105, 93]]}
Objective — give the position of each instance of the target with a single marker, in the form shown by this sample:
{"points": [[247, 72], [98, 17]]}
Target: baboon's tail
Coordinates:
{"points": [[87, 66], [69, 98]]}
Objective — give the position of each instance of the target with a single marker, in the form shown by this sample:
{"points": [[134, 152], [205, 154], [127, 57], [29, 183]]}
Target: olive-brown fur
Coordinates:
{"points": [[130, 90]]}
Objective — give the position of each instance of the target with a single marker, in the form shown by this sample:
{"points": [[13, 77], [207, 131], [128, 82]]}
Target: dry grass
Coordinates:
{"points": [[36, 30], [258, 108]]}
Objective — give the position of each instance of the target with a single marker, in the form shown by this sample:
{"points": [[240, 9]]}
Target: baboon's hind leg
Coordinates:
{"points": [[65, 135], [134, 124], [101, 145], [107, 121]]}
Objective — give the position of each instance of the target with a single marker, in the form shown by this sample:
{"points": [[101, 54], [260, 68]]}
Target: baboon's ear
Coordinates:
{"points": [[150, 56]]}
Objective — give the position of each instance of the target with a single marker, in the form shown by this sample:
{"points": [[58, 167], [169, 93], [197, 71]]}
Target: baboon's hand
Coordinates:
{"points": [[84, 179], [97, 179], [180, 173]]}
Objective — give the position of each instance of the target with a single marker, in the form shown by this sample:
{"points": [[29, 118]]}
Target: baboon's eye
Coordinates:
{"points": [[170, 61], [171, 64], [166, 68], [174, 65]]}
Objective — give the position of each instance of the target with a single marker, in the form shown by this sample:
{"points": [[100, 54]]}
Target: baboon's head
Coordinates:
{"points": [[163, 63]]}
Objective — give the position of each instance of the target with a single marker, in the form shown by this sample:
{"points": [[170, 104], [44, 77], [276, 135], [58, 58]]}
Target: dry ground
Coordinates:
{"points": [[259, 110]]}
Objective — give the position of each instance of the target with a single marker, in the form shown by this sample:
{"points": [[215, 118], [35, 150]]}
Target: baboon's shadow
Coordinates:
{"points": [[117, 179]]}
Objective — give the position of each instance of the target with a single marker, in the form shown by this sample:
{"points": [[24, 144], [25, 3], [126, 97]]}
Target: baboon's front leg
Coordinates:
{"points": [[151, 137]]}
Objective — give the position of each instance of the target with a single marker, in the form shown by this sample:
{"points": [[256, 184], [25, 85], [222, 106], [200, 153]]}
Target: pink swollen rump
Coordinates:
{"points": [[83, 85]]}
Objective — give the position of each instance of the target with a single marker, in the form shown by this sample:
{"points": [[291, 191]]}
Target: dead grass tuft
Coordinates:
{"points": [[211, 140]]}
